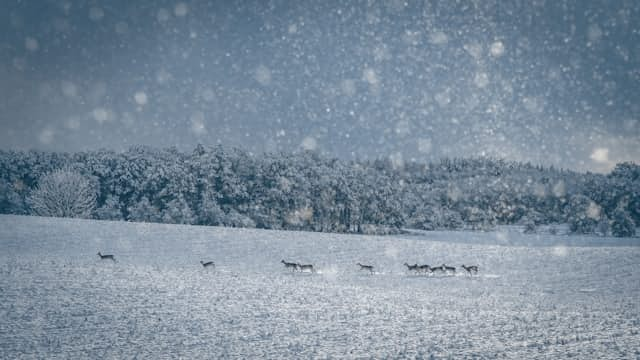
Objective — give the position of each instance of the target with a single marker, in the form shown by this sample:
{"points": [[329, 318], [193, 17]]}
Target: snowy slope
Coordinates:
{"points": [[57, 299]]}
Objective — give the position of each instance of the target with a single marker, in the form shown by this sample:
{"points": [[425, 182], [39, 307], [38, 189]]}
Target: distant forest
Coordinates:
{"points": [[307, 191]]}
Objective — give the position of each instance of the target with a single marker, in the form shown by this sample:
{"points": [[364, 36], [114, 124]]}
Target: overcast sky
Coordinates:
{"points": [[552, 82]]}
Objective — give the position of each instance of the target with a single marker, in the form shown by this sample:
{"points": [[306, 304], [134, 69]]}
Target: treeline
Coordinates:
{"points": [[306, 191]]}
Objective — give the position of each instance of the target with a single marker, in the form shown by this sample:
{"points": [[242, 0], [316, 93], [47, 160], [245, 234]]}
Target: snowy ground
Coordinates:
{"points": [[57, 299]]}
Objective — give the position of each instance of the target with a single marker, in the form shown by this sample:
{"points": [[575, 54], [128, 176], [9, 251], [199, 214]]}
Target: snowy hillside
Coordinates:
{"points": [[57, 298]]}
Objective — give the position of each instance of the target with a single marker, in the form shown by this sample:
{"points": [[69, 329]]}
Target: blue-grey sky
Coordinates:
{"points": [[552, 82]]}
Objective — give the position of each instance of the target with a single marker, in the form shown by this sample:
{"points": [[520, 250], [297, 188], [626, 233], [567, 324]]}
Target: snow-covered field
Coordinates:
{"points": [[58, 299]]}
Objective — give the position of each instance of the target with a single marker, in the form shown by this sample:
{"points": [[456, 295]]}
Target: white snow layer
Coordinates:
{"points": [[58, 299]]}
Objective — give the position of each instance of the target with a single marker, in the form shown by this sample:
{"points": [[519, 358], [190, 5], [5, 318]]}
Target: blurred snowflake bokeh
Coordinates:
{"points": [[554, 83]]}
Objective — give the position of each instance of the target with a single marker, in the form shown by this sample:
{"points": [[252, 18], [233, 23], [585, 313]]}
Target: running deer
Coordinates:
{"points": [[289, 265], [425, 268], [207, 264], [366, 267], [106, 257], [471, 269], [304, 267], [448, 268], [413, 267]]}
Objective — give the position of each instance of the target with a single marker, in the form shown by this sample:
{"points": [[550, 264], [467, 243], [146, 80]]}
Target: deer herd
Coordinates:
{"points": [[425, 269], [444, 269], [295, 266], [298, 267]]}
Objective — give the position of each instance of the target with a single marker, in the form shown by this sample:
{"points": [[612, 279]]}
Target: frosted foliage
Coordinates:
{"points": [[63, 193], [299, 216], [383, 196], [178, 212], [454, 193], [539, 190], [593, 211], [559, 189]]}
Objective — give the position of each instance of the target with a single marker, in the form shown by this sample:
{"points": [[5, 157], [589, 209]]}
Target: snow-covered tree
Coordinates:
{"points": [[235, 219], [178, 212], [144, 211], [529, 227], [584, 215], [210, 212], [64, 193], [307, 191], [621, 224], [110, 210], [11, 201]]}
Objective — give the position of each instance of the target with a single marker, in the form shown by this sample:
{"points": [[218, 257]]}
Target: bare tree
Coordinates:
{"points": [[63, 193]]}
